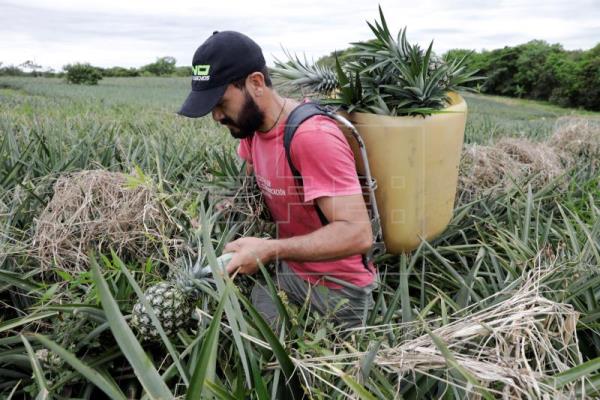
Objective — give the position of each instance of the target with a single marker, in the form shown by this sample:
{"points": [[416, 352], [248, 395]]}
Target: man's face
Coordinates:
{"points": [[239, 112]]}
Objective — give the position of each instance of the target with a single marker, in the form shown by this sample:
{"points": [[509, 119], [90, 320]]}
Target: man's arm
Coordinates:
{"points": [[347, 233]]}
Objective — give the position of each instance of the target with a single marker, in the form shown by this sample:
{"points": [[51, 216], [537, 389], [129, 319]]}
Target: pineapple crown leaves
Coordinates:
{"points": [[459, 75], [349, 85], [298, 73], [185, 274], [386, 75], [385, 47]]}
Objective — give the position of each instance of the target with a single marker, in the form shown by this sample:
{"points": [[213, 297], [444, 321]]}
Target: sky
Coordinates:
{"points": [[132, 33]]}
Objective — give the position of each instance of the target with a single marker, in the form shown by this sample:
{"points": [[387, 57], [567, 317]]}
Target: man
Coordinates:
{"points": [[314, 260]]}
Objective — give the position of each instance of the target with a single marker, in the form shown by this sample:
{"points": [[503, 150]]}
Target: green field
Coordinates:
{"points": [[505, 301]]}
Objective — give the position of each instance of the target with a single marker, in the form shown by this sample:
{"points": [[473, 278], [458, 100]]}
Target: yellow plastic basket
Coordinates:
{"points": [[414, 161]]}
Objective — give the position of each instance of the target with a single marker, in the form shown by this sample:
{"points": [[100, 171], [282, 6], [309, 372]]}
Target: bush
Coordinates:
{"points": [[82, 74], [10, 70], [589, 78], [534, 74], [118, 72], [540, 71], [162, 66], [183, 71]]}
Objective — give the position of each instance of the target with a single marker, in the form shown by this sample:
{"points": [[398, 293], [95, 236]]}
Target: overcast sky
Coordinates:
{"points": [[133, 33]]}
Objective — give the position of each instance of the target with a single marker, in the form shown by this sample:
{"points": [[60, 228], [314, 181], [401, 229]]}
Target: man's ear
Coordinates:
{"points": [[256, 83]]}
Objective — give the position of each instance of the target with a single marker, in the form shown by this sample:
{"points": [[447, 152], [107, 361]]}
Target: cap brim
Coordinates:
{"points": [[200, 103]]}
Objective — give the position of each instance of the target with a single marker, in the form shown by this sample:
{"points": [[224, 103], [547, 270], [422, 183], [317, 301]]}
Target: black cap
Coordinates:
{"points": [[223, 58]]}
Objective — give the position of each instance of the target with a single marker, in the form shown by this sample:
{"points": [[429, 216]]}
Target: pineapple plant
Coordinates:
{"points": [[386, 76], [172, 301]]}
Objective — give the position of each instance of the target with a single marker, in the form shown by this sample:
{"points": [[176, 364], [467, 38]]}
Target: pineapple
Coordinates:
{"points": [[386, 75], [316, 78], [435, 63], [172, 301]]}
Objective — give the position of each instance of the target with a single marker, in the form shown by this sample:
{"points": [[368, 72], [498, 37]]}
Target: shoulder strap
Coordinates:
{"points": [[298, 115]]}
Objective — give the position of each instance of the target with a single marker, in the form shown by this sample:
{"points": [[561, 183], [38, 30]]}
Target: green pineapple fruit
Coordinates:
{"points": [[172, 301]]}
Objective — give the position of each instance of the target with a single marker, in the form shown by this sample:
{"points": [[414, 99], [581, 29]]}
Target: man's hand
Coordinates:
{"points": [[247, 252]]}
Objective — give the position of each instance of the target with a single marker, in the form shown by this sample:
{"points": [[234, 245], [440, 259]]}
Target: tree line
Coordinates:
{"points": [[538, 70], [534, 70], [86, 73]]}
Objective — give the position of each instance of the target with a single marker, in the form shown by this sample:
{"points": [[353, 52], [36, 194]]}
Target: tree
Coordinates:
{"points": [[162, 66], [10, 70], [183, 71], [82, 73], [31, 67], [534, 77], [588, 93], [120, 72]]}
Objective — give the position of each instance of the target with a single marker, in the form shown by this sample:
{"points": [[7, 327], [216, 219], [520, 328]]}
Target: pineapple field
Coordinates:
{"points": [[110, 203]]}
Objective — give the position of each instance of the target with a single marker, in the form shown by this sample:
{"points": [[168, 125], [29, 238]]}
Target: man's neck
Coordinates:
{"points": [[278, 109]]}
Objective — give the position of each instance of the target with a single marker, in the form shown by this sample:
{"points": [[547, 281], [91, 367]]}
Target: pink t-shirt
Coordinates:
{"points": [[323, 157]]}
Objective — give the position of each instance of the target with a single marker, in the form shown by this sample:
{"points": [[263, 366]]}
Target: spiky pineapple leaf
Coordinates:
{"points": [[581, 371], [89, 373], [38, 374], [219, 391], [287, 366], [359, 389], [388, 75], [453, 363], [207, 356], [131, 348], [13, 323]]}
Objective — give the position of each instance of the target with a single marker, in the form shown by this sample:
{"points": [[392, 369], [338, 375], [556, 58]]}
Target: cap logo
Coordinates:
{"points": [[200, 72]]}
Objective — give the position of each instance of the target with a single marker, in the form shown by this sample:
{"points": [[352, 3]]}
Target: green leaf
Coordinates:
{"points": [[260, 387], [451, 361], [578, 372], [219, 391], [346, 91], [13, 279], [280, 307], [590, 388], [233, 309], [131, 348], [287, 366], [13, 323], [150, 311], [90, 374], [359, 389], [38, 374], [207, 356], [407, 315], [95, 313]]}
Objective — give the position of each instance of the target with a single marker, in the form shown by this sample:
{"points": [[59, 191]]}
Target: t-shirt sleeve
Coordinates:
{"points": [[325, 160], [244, 150]]}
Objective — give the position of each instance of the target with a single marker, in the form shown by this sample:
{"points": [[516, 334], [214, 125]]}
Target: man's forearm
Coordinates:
{"points": [[335, 240]]}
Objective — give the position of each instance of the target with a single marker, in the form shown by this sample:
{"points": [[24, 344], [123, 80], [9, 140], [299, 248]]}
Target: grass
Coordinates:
{"points": [[512, 284], [493, 117]]}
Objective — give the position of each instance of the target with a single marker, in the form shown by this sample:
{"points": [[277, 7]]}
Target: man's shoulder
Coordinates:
{"points": [[318, 123]]}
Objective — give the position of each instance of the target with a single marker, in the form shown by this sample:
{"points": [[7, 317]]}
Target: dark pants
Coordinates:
{"points": [[347, 306]]}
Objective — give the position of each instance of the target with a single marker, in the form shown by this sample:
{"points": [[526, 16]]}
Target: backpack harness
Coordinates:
{"points": [[300, 114]]}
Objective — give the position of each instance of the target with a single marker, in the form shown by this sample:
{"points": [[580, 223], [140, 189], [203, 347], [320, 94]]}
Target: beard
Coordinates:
{"points": [[250, 119]]}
